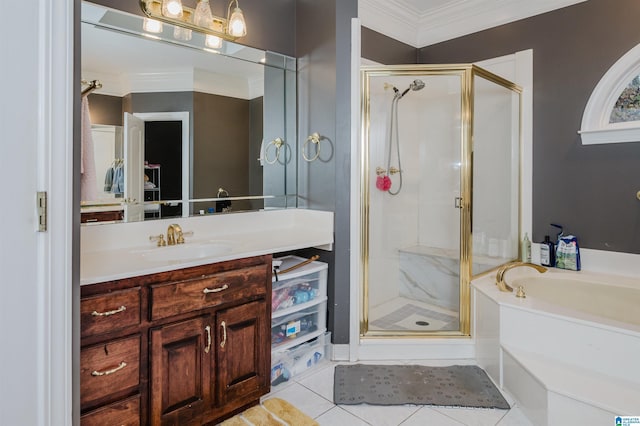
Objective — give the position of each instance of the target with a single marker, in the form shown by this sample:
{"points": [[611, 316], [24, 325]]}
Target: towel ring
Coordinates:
{"points": [[315, 139], [277, 143], [222, 193]]}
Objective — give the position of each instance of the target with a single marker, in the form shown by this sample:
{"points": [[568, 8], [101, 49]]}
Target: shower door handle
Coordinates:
{"points": [[458, 202]]}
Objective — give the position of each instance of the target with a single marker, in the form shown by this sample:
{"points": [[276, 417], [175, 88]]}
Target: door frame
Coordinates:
{"points": [[182, 116], [39, 366]]}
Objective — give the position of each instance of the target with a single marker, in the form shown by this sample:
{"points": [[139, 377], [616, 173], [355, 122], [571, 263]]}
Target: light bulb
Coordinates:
{"points": [[203, 16], [180, 33], [237, 26], [172, 8], [213, 42], [151, 25]]}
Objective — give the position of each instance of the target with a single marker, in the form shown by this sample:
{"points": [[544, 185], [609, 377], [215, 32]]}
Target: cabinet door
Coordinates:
{"points": [[180, 371], [243, 353]]}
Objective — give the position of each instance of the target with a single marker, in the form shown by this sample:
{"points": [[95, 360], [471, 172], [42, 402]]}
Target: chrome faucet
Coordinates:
{"points": [[502, 284], [174, 235]]}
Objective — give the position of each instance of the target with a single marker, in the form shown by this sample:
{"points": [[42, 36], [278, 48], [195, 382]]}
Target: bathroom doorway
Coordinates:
{"points": [[440, 193], [166, 164]]}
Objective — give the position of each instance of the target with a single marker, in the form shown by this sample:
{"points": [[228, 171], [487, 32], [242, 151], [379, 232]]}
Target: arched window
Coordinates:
{"points": [[612, 114]]}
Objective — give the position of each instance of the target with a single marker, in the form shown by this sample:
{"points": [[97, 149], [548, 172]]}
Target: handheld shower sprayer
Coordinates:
{"points": [[415, 86]]}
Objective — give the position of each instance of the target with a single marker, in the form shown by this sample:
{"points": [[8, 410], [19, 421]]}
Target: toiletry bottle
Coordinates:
{"points": [[526, 249], [547, 252]]}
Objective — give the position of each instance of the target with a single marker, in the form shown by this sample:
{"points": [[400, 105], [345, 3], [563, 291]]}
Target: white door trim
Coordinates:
{"points": [[53, 400], [176, 116]]}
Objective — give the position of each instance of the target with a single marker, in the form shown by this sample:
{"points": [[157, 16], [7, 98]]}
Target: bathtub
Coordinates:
{"points": [[569, 352], [592, 297]]}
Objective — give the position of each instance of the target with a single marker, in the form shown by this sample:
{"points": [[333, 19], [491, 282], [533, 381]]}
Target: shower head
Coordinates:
{"points": [[415, 86]]}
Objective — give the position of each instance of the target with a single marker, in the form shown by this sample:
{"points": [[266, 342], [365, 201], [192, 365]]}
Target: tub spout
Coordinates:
{"points": [[502, 284]]}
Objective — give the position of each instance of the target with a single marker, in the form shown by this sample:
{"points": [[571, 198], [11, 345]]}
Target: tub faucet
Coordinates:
{"points": [[502, 284], [174, 235]]}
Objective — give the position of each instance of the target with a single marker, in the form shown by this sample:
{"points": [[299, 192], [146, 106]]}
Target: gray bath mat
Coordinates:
{"points": [[454, 386]]}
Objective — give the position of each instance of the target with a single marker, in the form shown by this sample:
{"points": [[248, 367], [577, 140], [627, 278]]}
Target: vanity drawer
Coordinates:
{"points": [[110, 311], [125, 413], [178, 297], [108, 368]]}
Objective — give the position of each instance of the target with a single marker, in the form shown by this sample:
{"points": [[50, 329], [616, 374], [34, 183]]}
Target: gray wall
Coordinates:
{"points": [[589, 189], [221, 147], [105, 109], [270, 24], [324, 87], [386, 50]]}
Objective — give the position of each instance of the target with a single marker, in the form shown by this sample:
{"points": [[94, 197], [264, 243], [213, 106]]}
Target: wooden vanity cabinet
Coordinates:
{"points": [[195, 344]]}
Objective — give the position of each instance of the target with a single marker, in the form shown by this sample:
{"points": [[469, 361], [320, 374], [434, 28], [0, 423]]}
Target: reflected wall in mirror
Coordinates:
{"points": [[205, 121]]}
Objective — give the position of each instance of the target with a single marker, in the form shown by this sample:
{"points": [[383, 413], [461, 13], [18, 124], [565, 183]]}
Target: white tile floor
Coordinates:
{"points": [[312, 393]]}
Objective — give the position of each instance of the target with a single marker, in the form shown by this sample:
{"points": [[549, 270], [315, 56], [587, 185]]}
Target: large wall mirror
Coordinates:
{"points": [[182, 127]]}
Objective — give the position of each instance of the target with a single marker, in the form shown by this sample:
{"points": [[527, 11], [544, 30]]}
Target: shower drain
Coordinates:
{"points": [[422, 323]]}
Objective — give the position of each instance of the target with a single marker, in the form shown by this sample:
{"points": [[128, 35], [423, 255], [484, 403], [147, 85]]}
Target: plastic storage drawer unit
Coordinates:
{"points": [[299, 288], [290, 330]]}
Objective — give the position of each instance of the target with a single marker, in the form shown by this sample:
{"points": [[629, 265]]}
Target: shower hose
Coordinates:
{"points": [[393, 131]]}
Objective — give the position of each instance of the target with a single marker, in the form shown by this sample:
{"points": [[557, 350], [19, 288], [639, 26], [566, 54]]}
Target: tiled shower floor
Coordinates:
{"points": [[404, 314]]}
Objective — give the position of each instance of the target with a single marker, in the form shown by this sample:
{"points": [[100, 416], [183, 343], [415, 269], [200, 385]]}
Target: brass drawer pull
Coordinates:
{"points": [[215, 290], [106, 314], [224, 334], [208, 347], [106, 373]]}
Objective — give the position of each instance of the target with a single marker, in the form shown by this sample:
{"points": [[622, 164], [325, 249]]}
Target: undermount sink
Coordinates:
{"points": [[188, 251]]}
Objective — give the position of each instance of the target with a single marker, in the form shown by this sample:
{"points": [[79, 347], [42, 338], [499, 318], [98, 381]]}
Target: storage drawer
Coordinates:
{"points": [[299, 287], [121, 413], [109, 367], [178, 297], [295, 361], [290, 330], [110, 311]]}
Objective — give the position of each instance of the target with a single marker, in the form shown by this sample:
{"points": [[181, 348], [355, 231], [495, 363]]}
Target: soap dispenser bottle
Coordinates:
{"points": [[525, 249], [547, 252]]}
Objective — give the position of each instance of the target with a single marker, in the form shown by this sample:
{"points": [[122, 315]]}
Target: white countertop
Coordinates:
{"points": [[116, 251]]}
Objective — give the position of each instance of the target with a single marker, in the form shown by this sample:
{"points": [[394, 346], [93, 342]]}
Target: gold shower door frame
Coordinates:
{"points": [[466, 72]]}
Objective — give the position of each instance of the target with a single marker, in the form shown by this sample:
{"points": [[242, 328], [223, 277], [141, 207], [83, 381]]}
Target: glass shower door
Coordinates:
{"points": [[414, 155], [496, 173]]}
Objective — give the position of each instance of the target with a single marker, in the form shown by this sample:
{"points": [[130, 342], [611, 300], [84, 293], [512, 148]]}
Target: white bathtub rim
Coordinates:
{"points": [[608, 279], [486, 285]]}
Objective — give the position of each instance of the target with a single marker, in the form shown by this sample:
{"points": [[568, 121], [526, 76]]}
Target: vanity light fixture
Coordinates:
{"points": [[236, 26], [199, 19], [213, 42], [183, 34], [202, 16], [172, 8], [152, 26]]}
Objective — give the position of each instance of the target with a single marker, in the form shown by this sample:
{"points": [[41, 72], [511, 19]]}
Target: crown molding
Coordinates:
{"points": [[454, 19], [389, 18], [177, 81]]}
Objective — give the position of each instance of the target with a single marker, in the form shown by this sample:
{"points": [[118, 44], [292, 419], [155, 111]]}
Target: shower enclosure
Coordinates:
{"points": [[440, 193]]}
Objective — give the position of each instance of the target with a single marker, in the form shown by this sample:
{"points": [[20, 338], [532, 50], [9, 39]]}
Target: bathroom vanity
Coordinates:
{"points": [[180, 347], [180, 335]]}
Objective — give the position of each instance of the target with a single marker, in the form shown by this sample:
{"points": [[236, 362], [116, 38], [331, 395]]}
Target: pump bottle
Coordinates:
{"points": [[547, 252]]}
